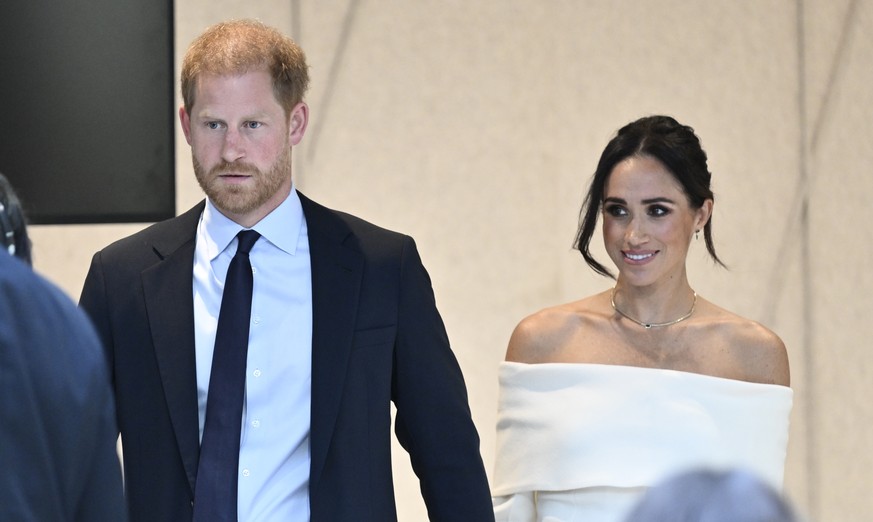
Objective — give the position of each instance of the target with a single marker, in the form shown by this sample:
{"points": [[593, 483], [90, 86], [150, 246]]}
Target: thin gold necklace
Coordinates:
{"points": [[653, 325]]}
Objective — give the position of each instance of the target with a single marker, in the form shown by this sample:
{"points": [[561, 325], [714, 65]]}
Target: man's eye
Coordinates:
{"points": [[253, 124], [213, 125]]}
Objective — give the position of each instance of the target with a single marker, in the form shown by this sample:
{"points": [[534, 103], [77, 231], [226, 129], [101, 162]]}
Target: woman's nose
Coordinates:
{"points": [[635, 233]]}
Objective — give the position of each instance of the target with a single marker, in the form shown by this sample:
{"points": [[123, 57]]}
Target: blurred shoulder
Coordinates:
{"points": [[37, 318]]}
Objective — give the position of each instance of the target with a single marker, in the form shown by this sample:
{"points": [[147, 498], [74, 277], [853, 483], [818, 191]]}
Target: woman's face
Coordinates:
{"points": [[648, 222]]}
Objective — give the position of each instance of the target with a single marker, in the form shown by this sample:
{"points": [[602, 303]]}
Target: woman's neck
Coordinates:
{"points": [[654, 304]]}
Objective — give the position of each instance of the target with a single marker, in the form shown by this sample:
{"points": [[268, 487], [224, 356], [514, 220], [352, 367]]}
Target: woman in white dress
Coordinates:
{"points": [[603, 397]]}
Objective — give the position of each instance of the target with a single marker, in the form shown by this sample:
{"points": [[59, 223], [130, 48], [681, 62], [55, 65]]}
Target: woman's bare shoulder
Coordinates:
{"points": [[758, 351], [540, 335], [765, 352]]}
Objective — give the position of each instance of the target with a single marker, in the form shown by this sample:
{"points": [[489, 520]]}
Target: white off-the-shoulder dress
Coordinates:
{"points": [[582, 442]]}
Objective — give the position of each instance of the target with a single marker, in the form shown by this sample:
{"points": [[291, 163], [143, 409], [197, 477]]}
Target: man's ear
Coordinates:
{"points": [[185, 120], [297, 122]]}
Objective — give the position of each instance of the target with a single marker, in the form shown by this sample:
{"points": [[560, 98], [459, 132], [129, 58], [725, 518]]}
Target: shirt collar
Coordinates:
{"points": [[281, 227]]}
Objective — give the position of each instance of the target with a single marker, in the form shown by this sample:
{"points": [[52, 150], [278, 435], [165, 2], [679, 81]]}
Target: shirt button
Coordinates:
{"points": [[256, 373], [256, 319], [254, 270], [246, 472], [256, 424]]}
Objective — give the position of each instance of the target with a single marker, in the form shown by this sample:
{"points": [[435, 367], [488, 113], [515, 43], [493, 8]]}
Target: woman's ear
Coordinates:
{"points": [[703, 214]]}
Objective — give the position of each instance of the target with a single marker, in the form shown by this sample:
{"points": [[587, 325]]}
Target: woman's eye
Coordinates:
{"points": [[615, 211], [658, 211]]}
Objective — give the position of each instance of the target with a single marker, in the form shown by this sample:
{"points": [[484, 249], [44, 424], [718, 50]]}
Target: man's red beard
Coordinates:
{"points": [[243, 198]]}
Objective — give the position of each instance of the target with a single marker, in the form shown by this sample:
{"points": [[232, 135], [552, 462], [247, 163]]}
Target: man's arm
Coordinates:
{"points": [[433, 421]]}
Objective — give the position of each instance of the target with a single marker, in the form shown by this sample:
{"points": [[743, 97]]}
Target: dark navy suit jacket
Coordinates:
{"points": [[377, 338]]}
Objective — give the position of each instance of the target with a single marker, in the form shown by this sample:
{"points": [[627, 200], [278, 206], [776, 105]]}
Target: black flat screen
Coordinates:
{"points": [[87, 109]]}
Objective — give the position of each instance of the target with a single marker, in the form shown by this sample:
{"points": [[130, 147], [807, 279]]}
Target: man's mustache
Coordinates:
{"points": [[233, 168]]}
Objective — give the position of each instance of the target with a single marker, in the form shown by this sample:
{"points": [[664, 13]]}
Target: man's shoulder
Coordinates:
{"points": [[162, 236], [321, 219]]}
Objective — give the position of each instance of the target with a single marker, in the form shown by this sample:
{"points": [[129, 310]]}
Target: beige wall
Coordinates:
{"points": [[474, 126]]}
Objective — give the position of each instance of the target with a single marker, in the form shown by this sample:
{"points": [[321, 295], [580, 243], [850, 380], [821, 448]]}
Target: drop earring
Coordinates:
{"points": [[697, 234]]}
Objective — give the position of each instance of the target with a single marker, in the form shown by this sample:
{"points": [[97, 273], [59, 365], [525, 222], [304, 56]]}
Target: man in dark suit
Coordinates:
{"points": [[342, 322]]}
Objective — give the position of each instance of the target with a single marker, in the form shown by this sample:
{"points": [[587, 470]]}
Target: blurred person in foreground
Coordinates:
{"points": [[57, 417], [13, 223], [704, 495], [603, 397], [340, 322]]}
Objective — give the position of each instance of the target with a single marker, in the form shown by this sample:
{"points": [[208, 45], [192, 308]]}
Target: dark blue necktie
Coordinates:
{"points": [[217, 473]]}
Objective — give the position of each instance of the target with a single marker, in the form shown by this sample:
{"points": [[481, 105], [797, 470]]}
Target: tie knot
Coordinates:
{"points": [[246, 240]]}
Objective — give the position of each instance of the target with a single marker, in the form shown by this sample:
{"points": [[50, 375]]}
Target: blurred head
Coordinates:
{"points": [[13, 225], [713, 496], [673, 145], [239, 46]]}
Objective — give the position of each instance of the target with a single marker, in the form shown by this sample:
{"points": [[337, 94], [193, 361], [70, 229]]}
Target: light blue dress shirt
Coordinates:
{"points": [[274, 449]]}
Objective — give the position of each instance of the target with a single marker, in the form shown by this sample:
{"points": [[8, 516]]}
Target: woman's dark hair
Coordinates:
{"points": [[13, 225], [666, 140]]}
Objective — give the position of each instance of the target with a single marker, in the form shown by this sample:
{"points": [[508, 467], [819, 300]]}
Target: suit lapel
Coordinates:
{"points": [[167, 287], [337, 269]]}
